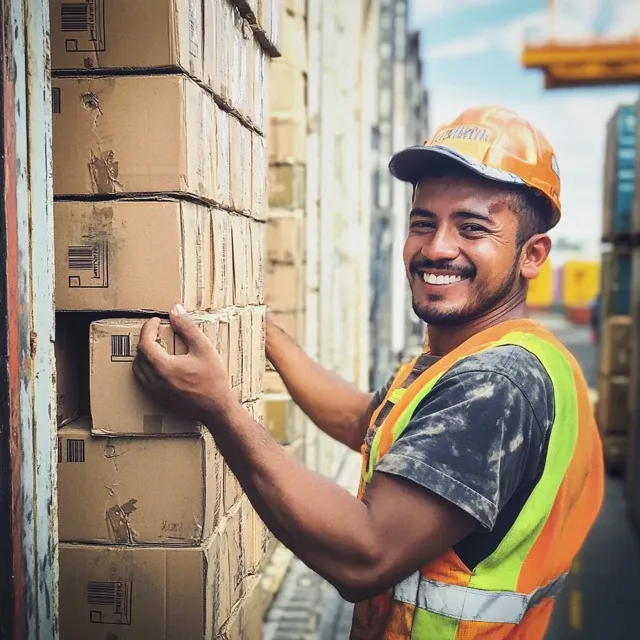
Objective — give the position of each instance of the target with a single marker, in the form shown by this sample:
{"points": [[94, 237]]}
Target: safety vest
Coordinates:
{"points": [[510, 594]]}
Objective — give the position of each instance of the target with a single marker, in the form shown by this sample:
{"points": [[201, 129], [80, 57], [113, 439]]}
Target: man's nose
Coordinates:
{"points": [[441, 245]]}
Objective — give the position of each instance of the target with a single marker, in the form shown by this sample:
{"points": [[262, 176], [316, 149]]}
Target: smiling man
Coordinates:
{"points": [[482, 466]]}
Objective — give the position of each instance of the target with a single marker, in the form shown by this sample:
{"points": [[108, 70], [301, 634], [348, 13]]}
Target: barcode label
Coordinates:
{"points": [[120, 346], [101, 594], [74, 17], [81, 258], [88, 266], [110, 602], [75, 450], [85, 25], [56, 100]]}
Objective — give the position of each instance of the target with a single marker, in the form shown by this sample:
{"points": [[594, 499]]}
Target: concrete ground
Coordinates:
{"points": [[599, 602]]}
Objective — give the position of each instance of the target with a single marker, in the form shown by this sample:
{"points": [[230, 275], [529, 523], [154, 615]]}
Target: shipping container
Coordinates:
{"points": [[619, 172], [580, 286]]}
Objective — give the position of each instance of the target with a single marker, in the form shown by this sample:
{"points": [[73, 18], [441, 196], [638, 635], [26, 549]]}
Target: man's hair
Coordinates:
{"points": [[533, 210]]}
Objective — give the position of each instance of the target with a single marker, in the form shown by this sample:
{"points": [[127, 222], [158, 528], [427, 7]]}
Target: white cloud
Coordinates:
{"points": [[507, 37], [575, 126], [572, 21], [422, 10]]}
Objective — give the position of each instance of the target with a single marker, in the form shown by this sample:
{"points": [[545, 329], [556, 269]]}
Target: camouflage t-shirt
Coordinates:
{"points": [[479, 440]]}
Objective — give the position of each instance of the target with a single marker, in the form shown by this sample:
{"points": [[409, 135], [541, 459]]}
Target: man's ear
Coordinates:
{"points": [[534, 254]]}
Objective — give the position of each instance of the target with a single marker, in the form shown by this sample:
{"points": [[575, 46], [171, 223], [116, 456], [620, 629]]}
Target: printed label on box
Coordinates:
{"points": [[85, 20], [88, 266], [110, 602]]}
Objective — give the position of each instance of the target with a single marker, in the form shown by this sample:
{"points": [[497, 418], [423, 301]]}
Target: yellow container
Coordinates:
{"points": [[540, 293], [581, 283]]}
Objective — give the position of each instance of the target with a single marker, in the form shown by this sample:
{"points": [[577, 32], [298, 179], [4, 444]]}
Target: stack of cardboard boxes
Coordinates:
{"points": [[614, 399], [160, 174], [286, 232], [613, 390]]}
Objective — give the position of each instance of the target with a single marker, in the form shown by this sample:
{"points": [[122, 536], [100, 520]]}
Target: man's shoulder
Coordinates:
{"points": [[510, 361]]}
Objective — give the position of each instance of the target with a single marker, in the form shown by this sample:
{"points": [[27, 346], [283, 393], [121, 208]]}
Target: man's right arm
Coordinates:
{"points": [[336, 406]]}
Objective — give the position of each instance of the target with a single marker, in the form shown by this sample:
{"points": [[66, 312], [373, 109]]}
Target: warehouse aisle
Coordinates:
{"points": [[602, 594]]}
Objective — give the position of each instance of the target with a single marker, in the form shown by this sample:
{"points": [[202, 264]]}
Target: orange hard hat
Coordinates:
{"points": [[494, 142]]}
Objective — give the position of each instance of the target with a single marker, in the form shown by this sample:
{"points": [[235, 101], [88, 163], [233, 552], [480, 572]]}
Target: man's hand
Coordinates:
{"points": [[194, 384]]}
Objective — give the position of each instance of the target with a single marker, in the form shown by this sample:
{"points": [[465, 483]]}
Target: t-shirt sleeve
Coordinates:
{"points": [[473, 439]]}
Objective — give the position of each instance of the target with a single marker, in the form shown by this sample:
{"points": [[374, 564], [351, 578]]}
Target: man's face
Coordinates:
{"points": [[461, 254]]}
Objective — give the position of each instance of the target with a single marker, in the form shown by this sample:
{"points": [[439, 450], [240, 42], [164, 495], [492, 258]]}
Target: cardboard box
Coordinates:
{"points": [[273, 382], [235, 352], [268, 21], [137, 491], [261, 82], [105, 260], [291, 323], [613, 406], [242, 67], [144, 592], [242, 259], [286, 239], [284, 287], [293, 40], [118, 404], [287, 186], [288, 91], [217, 53], [280, 418], [132, 134], [241, 166], [245, 622], [69, 354], [296, 7], [615, 356], [258, 236], [259, 178], [255, 408], [232, 489], [120, 34], [223, 274], [222, 190], [288, 140], [248, 330], [258, 358], [223, 339]]}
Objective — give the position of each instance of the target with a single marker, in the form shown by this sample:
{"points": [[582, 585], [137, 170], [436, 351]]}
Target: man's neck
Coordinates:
{"points": [[444, 339]]}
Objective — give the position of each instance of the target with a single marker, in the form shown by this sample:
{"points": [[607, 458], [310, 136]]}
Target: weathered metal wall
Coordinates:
{"points": [[28, 556]]}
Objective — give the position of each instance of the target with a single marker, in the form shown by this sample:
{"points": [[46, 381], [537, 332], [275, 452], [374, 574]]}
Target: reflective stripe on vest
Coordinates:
{"points": [[465, 603]]}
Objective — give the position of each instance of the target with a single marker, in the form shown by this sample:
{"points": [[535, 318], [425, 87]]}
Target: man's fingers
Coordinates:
{"points": [[187, 329], [140, 373], [148, 345]]}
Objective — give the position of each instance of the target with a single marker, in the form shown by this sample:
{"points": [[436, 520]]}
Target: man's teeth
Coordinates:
{"points": [[431, 278]]}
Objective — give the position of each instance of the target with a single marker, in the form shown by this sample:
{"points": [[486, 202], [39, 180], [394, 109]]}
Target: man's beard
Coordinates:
{"points": [[472, 311]]}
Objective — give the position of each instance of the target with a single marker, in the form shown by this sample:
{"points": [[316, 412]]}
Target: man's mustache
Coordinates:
{"points": [[425, 264]]}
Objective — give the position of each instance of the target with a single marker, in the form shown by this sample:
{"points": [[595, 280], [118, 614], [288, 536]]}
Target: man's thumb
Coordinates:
{"points": [[186, 328]]}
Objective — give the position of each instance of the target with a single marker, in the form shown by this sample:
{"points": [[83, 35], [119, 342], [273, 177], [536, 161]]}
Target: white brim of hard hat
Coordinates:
{"points": [[415, 163]]}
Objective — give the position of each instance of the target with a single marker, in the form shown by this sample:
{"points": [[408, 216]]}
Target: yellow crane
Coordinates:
{"points": [[590, 62]]}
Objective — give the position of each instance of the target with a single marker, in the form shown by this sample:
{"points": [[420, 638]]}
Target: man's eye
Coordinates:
{"points": [[422, 224], [473, 228]]}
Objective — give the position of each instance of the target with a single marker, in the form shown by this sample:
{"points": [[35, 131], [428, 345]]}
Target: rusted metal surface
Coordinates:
{"points": [[28, 555]]}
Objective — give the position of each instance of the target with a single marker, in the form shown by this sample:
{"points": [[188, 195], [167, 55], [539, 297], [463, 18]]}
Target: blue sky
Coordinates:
{"points": [[471, 50]]}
